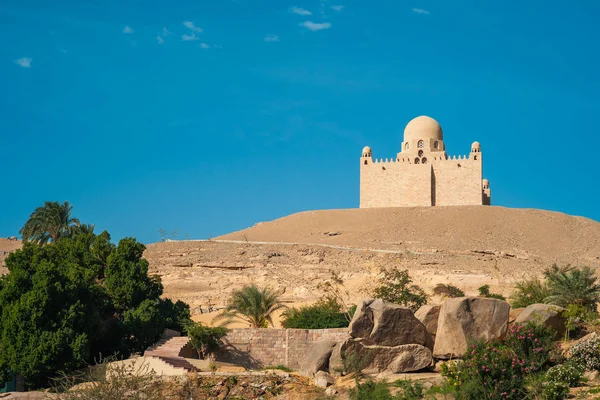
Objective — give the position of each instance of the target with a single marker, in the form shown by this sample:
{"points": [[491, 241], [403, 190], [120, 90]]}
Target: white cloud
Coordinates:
{"points": [[204, 46], [272, 38], [160, 39], [24, 62], [314, 26], [300, 11], [192, 26], [187, 38], [337, 8], [421, 11], [166, 32], [128, 29]]}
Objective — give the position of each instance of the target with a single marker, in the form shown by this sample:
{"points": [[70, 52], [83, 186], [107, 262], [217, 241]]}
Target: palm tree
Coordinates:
{"points": [[251, 305], [81, 229], [49, 223], [570, 285]]}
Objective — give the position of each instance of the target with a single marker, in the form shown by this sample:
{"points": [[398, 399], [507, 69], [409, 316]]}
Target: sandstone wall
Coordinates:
{"points": [[443, 181], [262, 347]]}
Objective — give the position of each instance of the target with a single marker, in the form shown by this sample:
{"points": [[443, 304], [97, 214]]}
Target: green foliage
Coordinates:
{"points": [[49, 222], [251, 305], [409, 390], [587, 353], [61, 306], [205, 339], [578, 319], [396, 287], [279, 367], [371, 390], [445, 290], [484, 291], [177, 315], [554, 390], [569, 285], [569, 373], [501, 370], [327, 313], [529, 292]]}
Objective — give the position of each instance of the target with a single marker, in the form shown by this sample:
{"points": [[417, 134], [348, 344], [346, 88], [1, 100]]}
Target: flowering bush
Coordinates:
{"points": [[568, 373], [555, 390], [587, 353], [499, 370]]}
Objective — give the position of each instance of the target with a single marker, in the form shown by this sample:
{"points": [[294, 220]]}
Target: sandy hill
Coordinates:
{"points": [[465, 246]]}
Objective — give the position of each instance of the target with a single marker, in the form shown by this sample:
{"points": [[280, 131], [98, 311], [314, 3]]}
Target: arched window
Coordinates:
{"points": [[407, 145], [424, 160], [435, 144], [416, 160], [420, 153], [366, 162], [421, 144]]}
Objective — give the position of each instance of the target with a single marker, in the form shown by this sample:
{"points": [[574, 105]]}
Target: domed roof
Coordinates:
{"points": [[423, 127], [366, 151]]}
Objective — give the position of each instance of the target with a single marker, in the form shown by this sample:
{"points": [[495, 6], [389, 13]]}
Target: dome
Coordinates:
{"points": [[423, 127], [476, 146], [486, 183], [366, 151]]}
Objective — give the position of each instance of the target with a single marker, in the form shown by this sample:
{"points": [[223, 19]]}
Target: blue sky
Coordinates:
{"points": [[209, 116]]}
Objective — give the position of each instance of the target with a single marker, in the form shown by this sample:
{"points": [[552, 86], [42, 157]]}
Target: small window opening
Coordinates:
{"points": [[420, 153], [416, 160], [421, 144], [366, 162], [424, 160], [435, 145]]}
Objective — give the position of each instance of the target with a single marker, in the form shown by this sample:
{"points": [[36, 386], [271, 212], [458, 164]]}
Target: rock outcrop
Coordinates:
{"points": [[317, 357], [465, 319], [386, 324], [547, 314], [374, 359], [429, 315]]}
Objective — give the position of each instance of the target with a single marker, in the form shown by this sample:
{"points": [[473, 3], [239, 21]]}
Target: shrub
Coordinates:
{"points": [[442, 289], [569, 373], [409, 390], [205, 339], [555, 391], [395, 287], [569, 285], [528, 292], [252, 305], [578, 318], [484, 291], [587, 353], [533, 344], [325, 314]]}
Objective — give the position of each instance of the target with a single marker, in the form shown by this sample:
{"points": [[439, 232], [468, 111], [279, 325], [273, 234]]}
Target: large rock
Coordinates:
{"points": [[467, 319], [336, 361], [374, 359], [317, 357], [323, 379], [429, 316], [549, 315], [386, 324]]}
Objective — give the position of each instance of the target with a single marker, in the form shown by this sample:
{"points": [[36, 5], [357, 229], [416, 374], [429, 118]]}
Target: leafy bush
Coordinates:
{"points": [[64, 304], [409, 390], [324, 314], [553, 390], [484, 291], [395, 287], [569, 285], [371, 390], [445, 290], [206, 340], [587, 353], [528, 292], [578, 319], [500, 370], [569, 373]]}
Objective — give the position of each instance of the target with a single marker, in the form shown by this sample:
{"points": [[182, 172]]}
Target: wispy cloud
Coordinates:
{"points": [[64, 51], [204, 46], [128, 29], [314, 26], [24, 62], [166, 32], [421, 11], [337, 8], [271, 38], [300, 11], [188, 38], [160, 39], [192, 26]]}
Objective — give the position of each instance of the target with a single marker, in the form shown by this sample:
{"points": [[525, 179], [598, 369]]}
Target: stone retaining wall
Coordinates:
{"points": [[260, 347]]}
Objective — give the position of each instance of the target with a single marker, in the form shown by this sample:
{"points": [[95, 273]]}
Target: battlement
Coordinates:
{"points": [[406, 181]]}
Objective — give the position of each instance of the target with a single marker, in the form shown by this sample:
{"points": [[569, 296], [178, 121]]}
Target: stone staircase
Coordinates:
{"points": [[168, 351]]}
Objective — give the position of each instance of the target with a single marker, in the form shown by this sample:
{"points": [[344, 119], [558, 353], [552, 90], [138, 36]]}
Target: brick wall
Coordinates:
{"points": [[261, 347]]}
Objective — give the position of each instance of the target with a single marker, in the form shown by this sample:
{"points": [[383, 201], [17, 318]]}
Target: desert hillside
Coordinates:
{"points": [[465, 246]]}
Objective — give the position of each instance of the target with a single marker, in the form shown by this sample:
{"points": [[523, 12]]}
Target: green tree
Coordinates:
{"points": [[61, 306], [528, 292], [49, 222], [251, 305], [396, 287], [569, 285], [327, 313], [484, 291], [446, 290]]}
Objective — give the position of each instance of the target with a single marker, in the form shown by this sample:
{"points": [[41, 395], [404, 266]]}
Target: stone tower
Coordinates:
{"points": [[422, 174]]}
